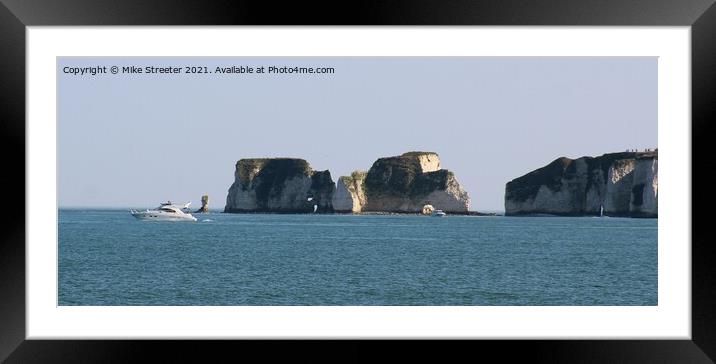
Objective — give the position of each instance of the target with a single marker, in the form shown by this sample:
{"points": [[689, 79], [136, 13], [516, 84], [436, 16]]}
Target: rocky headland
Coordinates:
{"points": [[399, 184], [615, 184]]}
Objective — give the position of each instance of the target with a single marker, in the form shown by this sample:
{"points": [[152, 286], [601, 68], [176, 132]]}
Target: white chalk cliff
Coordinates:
{"points": [[624, 184], [632, 187], [350, 193]]}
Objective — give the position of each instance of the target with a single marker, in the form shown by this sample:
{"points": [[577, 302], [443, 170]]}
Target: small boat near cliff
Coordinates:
{"points": [[438, 213], [165, 212]]}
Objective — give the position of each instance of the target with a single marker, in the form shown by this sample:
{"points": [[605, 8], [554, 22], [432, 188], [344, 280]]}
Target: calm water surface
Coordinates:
{"points": [[106, 257]]}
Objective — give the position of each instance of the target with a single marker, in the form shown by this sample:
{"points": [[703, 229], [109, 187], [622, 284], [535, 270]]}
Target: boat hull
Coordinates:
{"points": [[159, 216]]}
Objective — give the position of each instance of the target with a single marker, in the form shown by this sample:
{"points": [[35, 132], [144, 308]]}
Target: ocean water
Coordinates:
{"points": [[106, 257]]}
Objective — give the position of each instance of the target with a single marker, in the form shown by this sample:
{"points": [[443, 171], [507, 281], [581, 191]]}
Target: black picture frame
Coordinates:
{"points": [[15, 15]]}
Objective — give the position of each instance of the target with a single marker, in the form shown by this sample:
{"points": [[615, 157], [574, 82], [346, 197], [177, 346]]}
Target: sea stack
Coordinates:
{"points": [[350, 193], [615, 184], [279, 185], [402, 184], [204, 205]]}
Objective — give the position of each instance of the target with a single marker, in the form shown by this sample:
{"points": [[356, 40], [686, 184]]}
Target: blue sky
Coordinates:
{"points": [[136, 140]]}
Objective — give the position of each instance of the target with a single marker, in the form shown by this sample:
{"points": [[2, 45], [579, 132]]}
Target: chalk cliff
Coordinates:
{"points": [[404, 183], [279, 185], [350, 193], [410, 181], [623, 184], [632, 187]]}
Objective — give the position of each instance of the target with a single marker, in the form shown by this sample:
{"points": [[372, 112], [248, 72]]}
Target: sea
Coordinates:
{"points": [[109, 258]]}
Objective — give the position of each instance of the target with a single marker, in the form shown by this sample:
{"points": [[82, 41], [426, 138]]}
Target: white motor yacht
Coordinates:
{"points": [[165, 212], [438, 213]]}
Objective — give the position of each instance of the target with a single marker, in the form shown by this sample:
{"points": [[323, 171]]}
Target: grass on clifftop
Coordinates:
{"points": [[416, 154]]}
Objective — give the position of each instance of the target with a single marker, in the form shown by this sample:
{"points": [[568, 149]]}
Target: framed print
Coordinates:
{"points": [[470, 174]]}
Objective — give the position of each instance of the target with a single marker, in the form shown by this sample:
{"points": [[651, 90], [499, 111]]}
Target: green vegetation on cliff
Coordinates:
{"points": [[403, 176], [417, 154], [525, 187], [357, 178], [272, 174], [263, 182], [322, 184]]}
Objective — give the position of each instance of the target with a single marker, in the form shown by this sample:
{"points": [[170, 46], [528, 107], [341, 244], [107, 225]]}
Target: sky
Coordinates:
{"points": [[134, 140]]}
